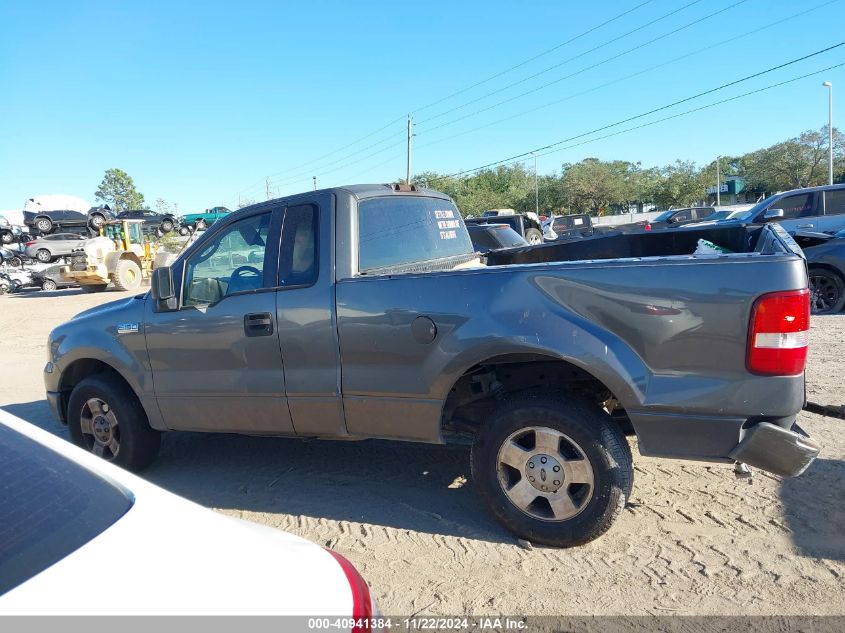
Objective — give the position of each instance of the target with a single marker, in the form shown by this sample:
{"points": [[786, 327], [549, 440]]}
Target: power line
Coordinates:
{"points": [[573, 58], [742, 35], [429, 105], [578, 72], [531, 59], [644, 114]]}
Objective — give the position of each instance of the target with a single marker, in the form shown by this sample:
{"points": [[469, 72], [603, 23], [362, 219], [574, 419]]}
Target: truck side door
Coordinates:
{"points": [[216, 361], [305, 313]]}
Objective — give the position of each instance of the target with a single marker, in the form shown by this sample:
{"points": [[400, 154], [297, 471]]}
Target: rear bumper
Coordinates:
{"points": [[776, 450]]}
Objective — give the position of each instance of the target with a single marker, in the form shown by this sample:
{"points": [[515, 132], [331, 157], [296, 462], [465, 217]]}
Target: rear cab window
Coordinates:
{"points": [[405, 230], [50, 507]]}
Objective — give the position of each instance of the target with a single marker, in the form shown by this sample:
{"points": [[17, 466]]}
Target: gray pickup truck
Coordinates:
{"points": [[363, 312]]}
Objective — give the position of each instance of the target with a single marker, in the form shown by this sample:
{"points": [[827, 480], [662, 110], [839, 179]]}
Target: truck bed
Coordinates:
{"points": [[768, 239]]}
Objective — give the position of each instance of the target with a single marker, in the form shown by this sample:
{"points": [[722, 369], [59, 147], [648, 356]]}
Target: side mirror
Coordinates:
{"points": [[772, 214], [161, 287]]}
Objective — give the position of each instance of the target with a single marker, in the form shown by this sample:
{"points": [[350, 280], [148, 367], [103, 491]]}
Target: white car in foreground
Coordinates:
{"points": [[79, 536]]}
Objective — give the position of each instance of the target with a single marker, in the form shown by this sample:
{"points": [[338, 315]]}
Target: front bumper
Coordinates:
{"points": [[776, 450], [54, 401]]}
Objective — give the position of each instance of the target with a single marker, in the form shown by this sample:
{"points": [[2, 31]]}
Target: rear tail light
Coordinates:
{"points": [[363, 606], [30, 243], [779, 333]]}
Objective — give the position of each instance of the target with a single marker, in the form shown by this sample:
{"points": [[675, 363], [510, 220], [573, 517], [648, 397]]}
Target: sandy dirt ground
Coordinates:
{"points": [[693, 540]]}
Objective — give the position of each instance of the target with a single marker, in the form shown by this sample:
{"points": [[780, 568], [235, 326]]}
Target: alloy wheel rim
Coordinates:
{"points": [[823, 293], [545, 474], [100, 430]]}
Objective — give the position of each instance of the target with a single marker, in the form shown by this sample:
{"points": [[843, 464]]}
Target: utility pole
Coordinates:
{"points": [[829, 87], [410, 135], [315, 182], [718, 184], [267, 186], [536, 187]]}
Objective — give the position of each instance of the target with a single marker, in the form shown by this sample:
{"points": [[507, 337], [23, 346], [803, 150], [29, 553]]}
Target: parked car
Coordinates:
{"points": [[206, 218], [572, 227], [160, 223], [722, 215], [363, 312], [51, 279], [825, 254], [69, 514], [820, 209], [5, 283], [488, 237], [14, 255], [45, 222], [10, 230], [525, 224], [48, 248]]}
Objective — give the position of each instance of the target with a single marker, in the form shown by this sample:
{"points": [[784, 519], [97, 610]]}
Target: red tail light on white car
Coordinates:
{"points": [[779, 333], [364, 607]]}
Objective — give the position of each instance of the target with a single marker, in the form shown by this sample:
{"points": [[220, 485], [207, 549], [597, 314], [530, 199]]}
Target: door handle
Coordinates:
{"points": [[806, 226], [258, 324]]}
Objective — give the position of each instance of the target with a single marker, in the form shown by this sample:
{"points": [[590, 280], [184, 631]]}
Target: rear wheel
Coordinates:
{"points": [[127, 275], [15, 261], [49, 284], [167, 225], [91, 288], [827, 291], [553, 468], [106, 418], [184, 230], [43, 255], [44, 224], [6, 237], [97, 220]]}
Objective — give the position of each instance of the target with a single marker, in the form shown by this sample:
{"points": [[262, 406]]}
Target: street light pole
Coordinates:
{"points": [[718, 184], [829, 87], [536, 187]]}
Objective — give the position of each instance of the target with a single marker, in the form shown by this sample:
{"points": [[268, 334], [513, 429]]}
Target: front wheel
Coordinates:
{"points": [[127, 275], [15, 261], [6, 237], [97, 220], [827, 292], [43, 256], [533, 236], [553, 468], [48, 284], [167, 225], [184, 230], [106, 418]]}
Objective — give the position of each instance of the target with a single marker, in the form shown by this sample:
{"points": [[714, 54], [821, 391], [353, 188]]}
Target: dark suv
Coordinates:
{"points": [[45, 222], [159, 222]]}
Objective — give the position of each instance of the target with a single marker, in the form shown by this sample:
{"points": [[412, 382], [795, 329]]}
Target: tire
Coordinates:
{"points": [[591, 452], [159, 233], [43, 255], [184, 230], [827, 292], [199, 225], [49, 284], [15, 261], [5, 287], [167, 226], [92, 288], [44, 224], [127, 275], [97, 220], [106, 418], [6, 237], [533, 236]]}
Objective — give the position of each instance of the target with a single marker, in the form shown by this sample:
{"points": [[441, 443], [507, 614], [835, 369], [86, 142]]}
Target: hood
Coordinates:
{"points": [[114, 307]]}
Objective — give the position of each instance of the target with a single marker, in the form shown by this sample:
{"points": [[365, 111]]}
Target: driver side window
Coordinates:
{"points": [[231, 262]]}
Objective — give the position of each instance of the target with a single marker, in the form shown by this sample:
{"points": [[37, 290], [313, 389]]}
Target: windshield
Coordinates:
{"points": [[756, 209], [719, 215], [664, 216]]}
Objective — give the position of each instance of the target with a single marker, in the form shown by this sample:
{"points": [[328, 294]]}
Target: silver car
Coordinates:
{"points": [[49, 247]]}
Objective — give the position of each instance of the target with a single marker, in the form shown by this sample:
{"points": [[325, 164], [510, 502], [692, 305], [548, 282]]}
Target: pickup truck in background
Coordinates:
{"points": [[365, 312], [525, 224]]}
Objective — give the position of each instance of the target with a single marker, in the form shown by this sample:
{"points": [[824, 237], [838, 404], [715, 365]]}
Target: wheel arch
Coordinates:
{"points": [[483, 383], [83, 368]]}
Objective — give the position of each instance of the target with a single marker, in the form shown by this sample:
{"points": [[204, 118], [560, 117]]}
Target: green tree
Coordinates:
{"points": [[594, 185], [681, 184], [118, 190]]}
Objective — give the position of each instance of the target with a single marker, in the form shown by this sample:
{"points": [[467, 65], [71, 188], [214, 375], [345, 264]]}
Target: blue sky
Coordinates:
{"points": [[200, 101]]}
